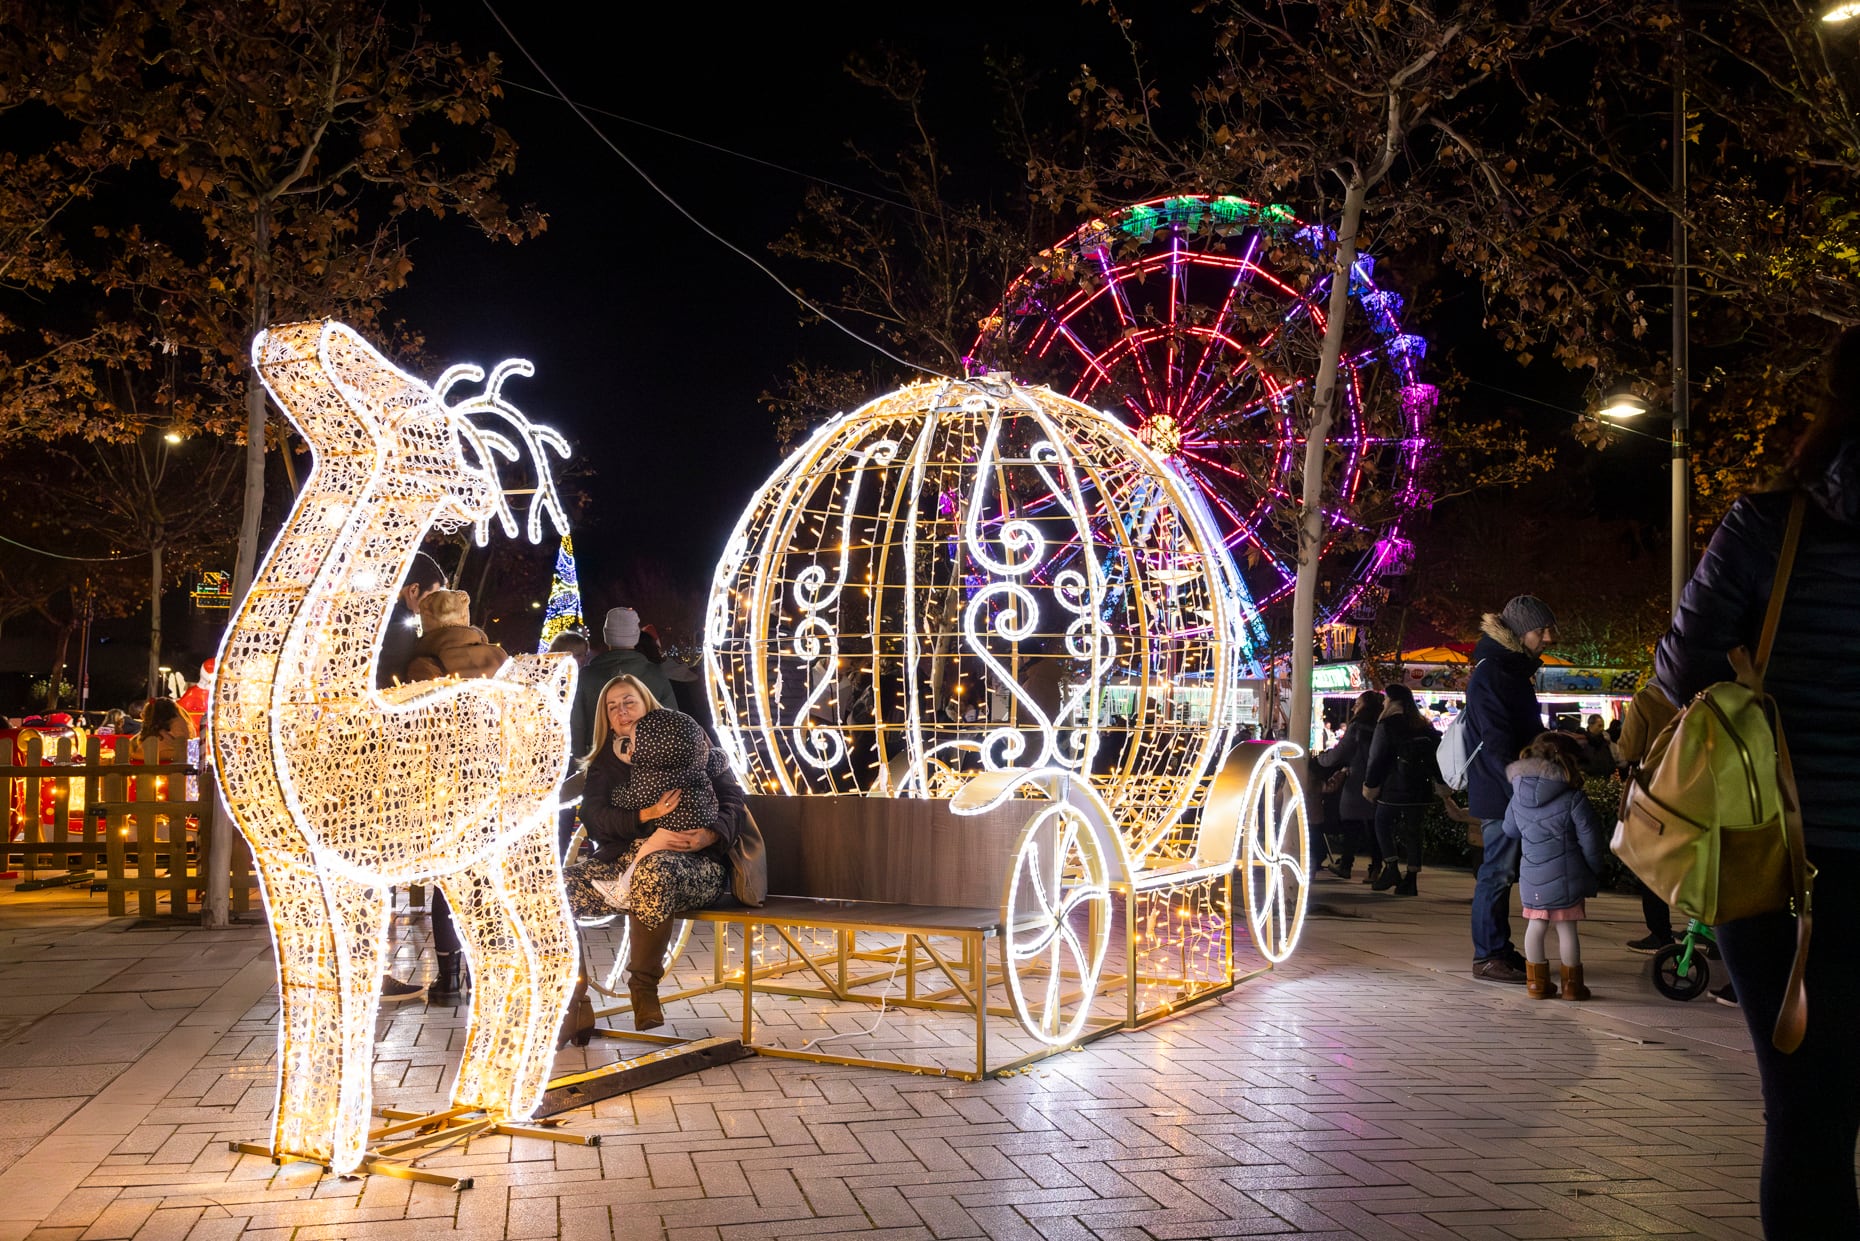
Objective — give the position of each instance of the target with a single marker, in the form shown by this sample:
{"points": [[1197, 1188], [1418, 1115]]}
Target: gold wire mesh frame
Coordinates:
{"points": [[344, 790]]}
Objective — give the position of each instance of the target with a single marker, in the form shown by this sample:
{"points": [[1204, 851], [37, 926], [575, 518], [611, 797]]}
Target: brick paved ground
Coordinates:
{"points": [[1369, 1089]]}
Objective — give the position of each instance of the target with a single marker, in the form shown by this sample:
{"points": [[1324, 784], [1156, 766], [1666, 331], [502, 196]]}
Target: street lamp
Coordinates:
{"points": [[1623, 404], [1842, 12]]}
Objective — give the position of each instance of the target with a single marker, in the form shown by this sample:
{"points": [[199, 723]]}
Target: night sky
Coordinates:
{"points": [[651, 341]]}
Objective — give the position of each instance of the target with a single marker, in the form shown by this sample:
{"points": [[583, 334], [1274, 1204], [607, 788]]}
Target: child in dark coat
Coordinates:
{"points": [[670, 751], [1564, 848]]}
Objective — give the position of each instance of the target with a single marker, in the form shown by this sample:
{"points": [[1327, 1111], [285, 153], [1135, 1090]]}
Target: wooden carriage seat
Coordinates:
{"points": [[897, 862]]}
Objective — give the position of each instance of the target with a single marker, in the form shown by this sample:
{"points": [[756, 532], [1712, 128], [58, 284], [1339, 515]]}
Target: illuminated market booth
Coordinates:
{"points": [[1437, 675]]}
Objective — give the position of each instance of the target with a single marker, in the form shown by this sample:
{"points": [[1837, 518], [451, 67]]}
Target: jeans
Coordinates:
{"points": [[1491, 903], [1398, 831], [1811, 1099], [1653, 909]]}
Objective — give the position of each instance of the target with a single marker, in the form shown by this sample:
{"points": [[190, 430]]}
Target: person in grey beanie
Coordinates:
{"points": [[1502, 716]]}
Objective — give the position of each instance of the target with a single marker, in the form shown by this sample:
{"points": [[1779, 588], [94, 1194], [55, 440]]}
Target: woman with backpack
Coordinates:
{"points": [[1811, 1096], [1400, 781], [1350, 759]]}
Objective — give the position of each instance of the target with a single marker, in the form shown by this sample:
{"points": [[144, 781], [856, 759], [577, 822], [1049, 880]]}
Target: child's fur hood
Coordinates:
{"points": [[1540, 767]]}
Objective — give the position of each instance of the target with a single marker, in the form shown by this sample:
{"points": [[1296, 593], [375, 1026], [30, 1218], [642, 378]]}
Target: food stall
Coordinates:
{"points": [[1438, 674]]}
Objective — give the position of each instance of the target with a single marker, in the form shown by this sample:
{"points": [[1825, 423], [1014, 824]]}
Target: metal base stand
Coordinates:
{"points": [[392, 1152]]}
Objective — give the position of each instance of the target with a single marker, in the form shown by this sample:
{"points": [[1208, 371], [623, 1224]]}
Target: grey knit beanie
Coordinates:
{"points": [[1527, 612]]}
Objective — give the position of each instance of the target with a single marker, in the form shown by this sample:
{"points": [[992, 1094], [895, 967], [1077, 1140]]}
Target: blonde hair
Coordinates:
{"points": [[601, 730]]}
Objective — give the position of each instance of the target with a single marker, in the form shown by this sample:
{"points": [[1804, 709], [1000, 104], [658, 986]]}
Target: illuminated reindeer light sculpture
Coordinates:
{"points": [[344, 790]]}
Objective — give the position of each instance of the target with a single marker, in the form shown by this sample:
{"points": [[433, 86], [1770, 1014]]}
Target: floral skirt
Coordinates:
{"points": [[1572, 913], [667, 885]]}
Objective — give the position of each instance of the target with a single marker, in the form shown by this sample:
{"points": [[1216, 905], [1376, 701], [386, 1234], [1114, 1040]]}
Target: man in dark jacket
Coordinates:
{"points": [[621, 658], [424, 576], [1502, 716]]}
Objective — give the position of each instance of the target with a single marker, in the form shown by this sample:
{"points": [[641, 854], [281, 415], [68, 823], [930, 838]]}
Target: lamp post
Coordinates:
{"points": [[1622, 405]]}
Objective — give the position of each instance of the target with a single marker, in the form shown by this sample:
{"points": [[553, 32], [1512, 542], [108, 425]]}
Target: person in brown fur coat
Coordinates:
{"points": [[450, 645]]}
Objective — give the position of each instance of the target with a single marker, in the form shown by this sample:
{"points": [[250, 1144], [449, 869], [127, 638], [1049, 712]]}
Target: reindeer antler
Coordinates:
{"points": [[489, 444]]}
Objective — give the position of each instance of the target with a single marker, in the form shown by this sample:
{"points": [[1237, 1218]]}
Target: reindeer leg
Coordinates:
{"points": [[533, 876], [499, 987], [515, 924], [331, 937]]}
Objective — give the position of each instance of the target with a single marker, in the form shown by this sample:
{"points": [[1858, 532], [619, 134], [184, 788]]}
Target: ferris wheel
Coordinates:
{"points": [[1198, 320]]}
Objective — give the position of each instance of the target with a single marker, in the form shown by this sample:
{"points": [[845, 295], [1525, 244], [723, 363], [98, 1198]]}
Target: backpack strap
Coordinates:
{"points": [[1792, 1021], [1780, 587]]}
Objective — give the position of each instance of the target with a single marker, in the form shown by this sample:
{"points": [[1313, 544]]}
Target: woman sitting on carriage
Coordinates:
{"points": [[660, 808]]}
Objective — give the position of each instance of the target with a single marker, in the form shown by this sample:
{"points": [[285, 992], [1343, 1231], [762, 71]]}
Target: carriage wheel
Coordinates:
{"points": [[1276, 863], [1058, 924]]}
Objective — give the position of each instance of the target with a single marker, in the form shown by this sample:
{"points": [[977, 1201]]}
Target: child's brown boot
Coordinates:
{"points": [[1572, 984], [1537, 982]]}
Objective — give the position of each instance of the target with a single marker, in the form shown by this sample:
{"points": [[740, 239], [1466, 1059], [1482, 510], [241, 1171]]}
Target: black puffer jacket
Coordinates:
{"points": [[1402, 768], [1814, 672], [1352, 752], [1502, 714]]}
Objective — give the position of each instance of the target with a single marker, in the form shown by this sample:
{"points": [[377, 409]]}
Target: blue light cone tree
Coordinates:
{"points": [[563, 611]]}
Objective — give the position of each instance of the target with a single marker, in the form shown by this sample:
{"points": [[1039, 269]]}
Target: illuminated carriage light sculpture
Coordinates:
{"points": [[344, 790], [977, 591]]}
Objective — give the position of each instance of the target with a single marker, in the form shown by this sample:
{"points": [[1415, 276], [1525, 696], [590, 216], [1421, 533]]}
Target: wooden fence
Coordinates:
{"points": [[89, 813]]}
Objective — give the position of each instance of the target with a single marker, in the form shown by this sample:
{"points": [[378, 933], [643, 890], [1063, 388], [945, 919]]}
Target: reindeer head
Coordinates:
{"points": [[359, 410]]}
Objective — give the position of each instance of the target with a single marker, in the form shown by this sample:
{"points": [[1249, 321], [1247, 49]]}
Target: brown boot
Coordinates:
{"points": [[1537, 982], [578, 1020], [645, 966], [1572, 984]]}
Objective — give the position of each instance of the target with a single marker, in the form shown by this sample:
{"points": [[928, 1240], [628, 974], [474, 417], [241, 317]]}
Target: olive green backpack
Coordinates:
{"points": [[1710, 820]]}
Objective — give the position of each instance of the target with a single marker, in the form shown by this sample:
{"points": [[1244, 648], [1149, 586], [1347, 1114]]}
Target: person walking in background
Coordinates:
{"points": [[1562, 850], [1598, 753], [403, 627], [622, 658], [1502, 715], [424, 576], [1350, 756], [1811, 1098], [1400, 782], [450, 646]]}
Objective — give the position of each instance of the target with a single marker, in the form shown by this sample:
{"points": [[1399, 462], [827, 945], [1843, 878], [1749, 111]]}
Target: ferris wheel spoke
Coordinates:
{"points": [[1221, 331], [1178, 290], [1120, 298]]}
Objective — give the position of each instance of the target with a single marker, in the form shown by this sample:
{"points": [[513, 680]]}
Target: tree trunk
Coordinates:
{"points": [[155, 577], [61, 646], [1311, 515], [216, 903], [246, 564]]}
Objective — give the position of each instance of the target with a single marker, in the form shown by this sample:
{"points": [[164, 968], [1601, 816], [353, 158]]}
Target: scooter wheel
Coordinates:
{"points": [[1674, 985]]}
